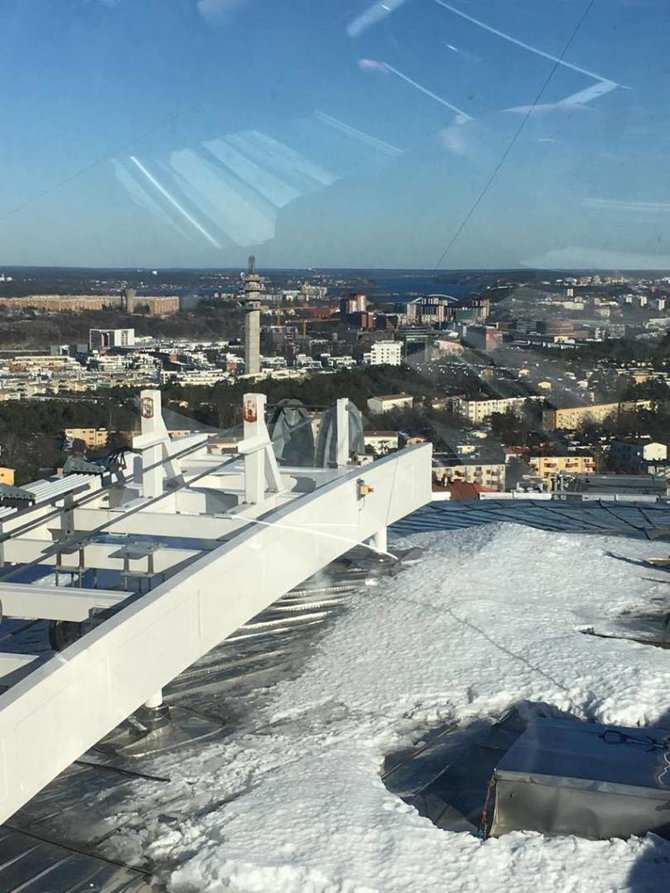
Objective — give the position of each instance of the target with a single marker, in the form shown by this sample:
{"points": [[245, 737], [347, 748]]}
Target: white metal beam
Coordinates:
{"points": [[14, 667], [23, 551], [9, 663], [155, 523], [342, 431], [69, 703], [55, 602], [261, 472]]}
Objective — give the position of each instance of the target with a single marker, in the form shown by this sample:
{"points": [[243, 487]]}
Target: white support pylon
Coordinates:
{"points": [[157, 447], [261, 472], [153, 431], [379, 541]]}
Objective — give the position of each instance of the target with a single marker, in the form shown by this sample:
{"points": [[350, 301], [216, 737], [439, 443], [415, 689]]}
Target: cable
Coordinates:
{"points": [[87, 167], [515, 136], [106, 157]]}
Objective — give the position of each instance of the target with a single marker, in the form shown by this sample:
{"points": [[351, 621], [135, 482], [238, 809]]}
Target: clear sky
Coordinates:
{"points": [[335, 133]]}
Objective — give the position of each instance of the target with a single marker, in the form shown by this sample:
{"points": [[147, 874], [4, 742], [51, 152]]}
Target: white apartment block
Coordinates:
{"points": [[102, 339], [384, 353], [379, 405], [381, 442], [478, 411]]}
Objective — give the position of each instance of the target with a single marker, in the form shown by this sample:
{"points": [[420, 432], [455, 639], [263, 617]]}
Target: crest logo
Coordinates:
{"points": [[250, 414], [147, 407]]}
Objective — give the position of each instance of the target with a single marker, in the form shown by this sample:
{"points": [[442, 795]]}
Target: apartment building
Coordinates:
{"points": [[7, 475], [633, 456], [60, 303], [378, 405], [104, 339], [478, 411], [384, 353], [491, 476], [380, 442], [575, 417], [94, 438], [546, 467]]}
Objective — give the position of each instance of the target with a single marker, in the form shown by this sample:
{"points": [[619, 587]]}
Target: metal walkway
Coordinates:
{"points": [[158, 587]]}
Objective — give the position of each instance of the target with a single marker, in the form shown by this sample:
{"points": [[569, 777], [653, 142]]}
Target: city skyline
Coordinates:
{"points": [[398, 135]]}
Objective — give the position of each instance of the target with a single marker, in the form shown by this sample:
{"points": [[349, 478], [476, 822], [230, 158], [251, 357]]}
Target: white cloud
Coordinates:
{"points": [[454, 140]]}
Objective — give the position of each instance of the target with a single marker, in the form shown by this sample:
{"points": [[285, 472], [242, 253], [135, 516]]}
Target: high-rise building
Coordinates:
{"points": [[104, 339], [354, 303], [129, 295], [253, 287], [483, 337], [384, 353]]}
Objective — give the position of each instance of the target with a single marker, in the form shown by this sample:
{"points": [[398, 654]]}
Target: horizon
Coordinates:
{"points": [[325, 269]]}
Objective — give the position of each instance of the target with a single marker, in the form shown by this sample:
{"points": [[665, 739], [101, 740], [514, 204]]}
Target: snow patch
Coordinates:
{"points": [[488, 618]]}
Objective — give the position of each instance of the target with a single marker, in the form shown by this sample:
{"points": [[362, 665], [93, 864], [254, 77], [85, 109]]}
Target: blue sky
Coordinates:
{"points": [[334, 133]]}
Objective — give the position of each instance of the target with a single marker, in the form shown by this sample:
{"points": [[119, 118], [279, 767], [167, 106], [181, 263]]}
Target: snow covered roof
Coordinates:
{"points": [[290, 798]]}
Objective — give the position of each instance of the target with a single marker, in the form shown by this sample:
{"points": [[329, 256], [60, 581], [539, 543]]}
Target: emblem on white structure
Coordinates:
{"points": [[250, 411], [147, 408]]}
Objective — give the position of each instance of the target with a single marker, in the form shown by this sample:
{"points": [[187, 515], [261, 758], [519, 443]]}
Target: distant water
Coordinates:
{"points": [[401, 285], [411, 284]]}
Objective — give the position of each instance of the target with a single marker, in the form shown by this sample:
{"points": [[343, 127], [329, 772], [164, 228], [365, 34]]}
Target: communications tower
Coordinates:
{"points": [[253, 286]]}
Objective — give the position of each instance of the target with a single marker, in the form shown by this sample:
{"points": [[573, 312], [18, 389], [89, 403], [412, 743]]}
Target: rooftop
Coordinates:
{"points": [[288, 796]]}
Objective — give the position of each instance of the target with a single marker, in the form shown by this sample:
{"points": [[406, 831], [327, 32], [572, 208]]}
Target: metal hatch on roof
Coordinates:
{"points": [[588, 779]]}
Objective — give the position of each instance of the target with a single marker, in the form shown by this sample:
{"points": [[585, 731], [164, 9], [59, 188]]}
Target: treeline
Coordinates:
{"points": [[221, 406], [213, 321], [30, 429], [654, 353], [26, 418]]}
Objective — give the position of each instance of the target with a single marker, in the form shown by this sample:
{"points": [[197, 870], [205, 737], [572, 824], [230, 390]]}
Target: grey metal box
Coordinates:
{"points": [[593, 780]]}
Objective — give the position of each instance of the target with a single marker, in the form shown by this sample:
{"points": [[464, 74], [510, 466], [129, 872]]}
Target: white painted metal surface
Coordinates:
{"points": [[98, 555], [261, 472], [223, 539], [77, 697], [11, 662], [46, 491], [157, 450], [55, 602]]}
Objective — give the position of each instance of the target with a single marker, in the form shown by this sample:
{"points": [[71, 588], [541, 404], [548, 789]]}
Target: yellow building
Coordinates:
{"points": [[163, 305], [548, 466], [575, 417], [94, 438], [478, 411], [7, 475]]}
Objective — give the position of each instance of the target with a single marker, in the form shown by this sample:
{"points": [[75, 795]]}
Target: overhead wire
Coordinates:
{"points": [[515, 136], [112, 153]]}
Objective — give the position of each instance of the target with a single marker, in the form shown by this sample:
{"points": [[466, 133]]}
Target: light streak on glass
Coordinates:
{"points": [[163, 191]]}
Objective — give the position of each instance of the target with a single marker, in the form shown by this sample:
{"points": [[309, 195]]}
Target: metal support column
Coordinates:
{"points": [[379, 541]]}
